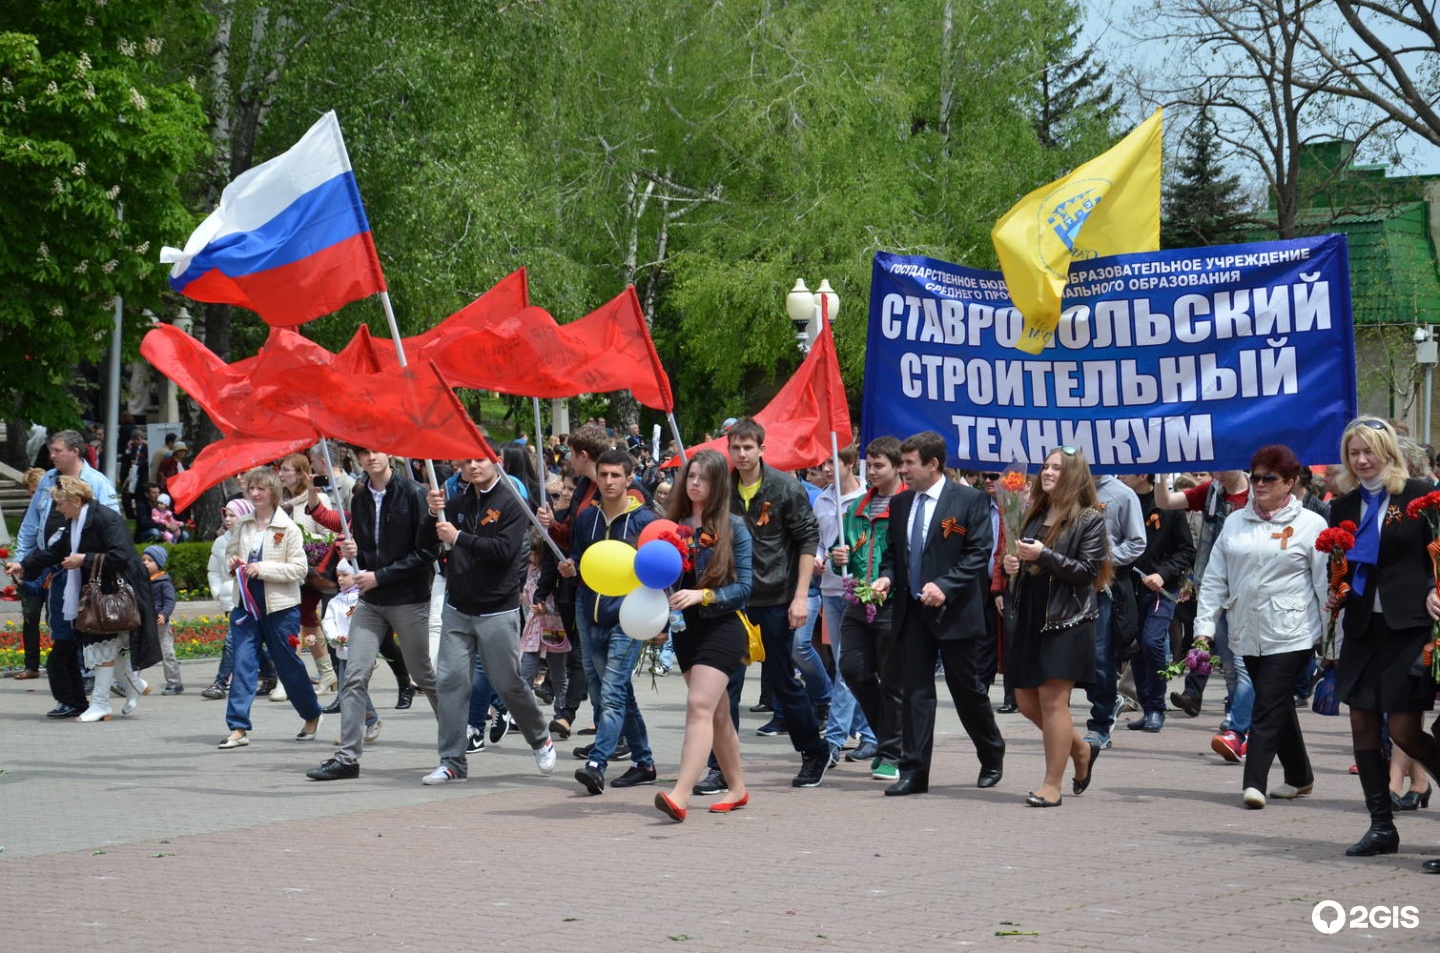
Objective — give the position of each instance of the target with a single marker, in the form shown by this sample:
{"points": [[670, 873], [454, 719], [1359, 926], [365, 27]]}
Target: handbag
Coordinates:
{"points": [[1325, 701], [755, 651], [106, 613]]}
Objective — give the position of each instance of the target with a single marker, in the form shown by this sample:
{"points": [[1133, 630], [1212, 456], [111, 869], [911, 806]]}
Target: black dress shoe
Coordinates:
{"points": [[63, 711], [989, 777], [1009, 708], [906, 786], [333, 708], [407, 697], [334, 770], [762, 707], [1431, 866]]}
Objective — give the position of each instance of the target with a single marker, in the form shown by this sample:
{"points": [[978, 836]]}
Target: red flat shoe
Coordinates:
{"points": [[667, 806], [725, 807]]}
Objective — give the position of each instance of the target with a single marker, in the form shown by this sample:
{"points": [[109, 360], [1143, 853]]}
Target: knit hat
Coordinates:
{"points": [[241, 508], [163, 499], [158, 554]]}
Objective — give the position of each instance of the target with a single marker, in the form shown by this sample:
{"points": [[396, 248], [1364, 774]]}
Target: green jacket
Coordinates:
{"points": [[867, 537]]}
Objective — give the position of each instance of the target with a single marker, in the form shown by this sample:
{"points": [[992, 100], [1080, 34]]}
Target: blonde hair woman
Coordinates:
{"points": [[267, 558]]}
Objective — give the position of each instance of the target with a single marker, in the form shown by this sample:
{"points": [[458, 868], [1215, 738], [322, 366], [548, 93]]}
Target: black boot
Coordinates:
{"points": [[1381, 838]]}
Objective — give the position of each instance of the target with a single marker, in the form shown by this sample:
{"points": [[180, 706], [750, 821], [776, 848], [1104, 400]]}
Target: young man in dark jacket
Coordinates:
{"points": [[387, 509], [610, 656], [485, 526], [1169, 554]]}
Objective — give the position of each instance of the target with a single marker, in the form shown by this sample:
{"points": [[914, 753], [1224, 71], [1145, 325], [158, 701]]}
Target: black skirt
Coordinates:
{"points": [[1382, 671], [717, 641], [1033, 657]]}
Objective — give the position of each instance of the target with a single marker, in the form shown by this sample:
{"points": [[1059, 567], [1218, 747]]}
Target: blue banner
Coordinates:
{"points": [[1165, 361]]}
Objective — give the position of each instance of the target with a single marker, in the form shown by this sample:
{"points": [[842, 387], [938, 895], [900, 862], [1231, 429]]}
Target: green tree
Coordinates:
{"points": [[97, 130], [1076, 107], [1202, 204]]}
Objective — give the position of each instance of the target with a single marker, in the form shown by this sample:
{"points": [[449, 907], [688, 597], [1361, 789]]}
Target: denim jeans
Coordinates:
{"points": [[786, 693], [227, 660], [610, 657], [846, 718], [1237, 680], [1102, 691], [275, 629], [807, 660], [1153, 650]]}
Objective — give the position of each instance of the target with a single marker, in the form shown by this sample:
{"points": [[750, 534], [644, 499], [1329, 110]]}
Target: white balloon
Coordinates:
{"points": [[644, 613]]}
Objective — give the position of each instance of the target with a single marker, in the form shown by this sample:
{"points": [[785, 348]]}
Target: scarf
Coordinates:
{"points": [[1366, 552], [1268, 516], [71, 605]]}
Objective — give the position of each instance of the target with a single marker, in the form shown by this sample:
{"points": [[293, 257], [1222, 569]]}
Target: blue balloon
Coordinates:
{"points": [[658, 564]]}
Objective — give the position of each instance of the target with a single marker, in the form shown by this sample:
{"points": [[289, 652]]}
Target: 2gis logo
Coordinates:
{"points": [[1330, 917]]}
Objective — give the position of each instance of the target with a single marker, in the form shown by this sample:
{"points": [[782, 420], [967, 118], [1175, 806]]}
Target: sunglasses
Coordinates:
{"points": [[991, 476], [1373, 424], [1266, 477], [1068, 451]]}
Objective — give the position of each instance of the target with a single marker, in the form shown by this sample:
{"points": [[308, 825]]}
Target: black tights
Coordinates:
{"points": [[1406, 730]]}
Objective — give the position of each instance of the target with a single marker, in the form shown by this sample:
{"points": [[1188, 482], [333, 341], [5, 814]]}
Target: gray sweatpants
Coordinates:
{"points": [[368, 628], [496, 637]]}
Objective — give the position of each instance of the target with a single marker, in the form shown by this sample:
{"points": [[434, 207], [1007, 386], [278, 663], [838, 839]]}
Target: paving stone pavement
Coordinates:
{"points": [[138, 835]]}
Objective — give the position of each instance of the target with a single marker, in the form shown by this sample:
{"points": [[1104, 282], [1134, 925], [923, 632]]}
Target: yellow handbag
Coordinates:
{"points": [[756, 652]]}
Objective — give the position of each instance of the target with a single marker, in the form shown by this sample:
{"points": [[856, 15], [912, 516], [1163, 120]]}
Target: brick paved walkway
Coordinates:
{"points": [[138, 835]]}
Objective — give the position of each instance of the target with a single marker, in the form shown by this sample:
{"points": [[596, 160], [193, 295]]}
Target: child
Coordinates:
{"points": [[163, 589], [335, 624], [171, 529], [544, 633]]}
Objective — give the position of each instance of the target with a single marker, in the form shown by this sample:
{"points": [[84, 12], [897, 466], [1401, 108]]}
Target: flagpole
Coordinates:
{"points": [[530, 514], [400, 353], [675, 429], [330, 469], [822, 314], [539, 463]]}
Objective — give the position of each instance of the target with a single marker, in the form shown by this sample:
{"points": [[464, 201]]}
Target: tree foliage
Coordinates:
{"points": [[1202, 204], [93, 120]]}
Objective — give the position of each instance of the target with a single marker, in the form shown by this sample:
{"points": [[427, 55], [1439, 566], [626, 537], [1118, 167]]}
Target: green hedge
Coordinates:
{"points": [[186, 565]]}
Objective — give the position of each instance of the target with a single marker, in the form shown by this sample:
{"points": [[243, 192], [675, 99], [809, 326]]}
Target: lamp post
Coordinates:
{"points": [[809, 309], [1425, 356]]}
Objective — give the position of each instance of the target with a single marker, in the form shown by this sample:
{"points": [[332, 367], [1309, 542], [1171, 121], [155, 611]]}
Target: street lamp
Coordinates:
{"points": [[1425, 356], [804, 308]]}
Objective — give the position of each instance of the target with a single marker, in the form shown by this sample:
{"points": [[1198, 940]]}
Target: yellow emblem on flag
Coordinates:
{"points": [[1108, 206]]}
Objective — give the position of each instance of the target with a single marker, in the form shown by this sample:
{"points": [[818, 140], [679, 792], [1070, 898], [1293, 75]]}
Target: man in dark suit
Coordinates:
{"points": [[937, 571]]}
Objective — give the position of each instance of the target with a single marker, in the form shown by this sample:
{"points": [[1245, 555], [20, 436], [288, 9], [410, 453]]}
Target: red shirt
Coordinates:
{"points": [[1195, 497]]}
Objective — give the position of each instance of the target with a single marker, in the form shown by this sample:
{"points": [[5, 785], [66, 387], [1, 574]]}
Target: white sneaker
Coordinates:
{"points": [[278, 695], [442, 775], [1254, 798], [545, 757], [373, 731]]}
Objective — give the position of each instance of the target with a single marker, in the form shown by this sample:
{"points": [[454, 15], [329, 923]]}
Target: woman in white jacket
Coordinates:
{"points": [[267, 558], [1269, 579]]}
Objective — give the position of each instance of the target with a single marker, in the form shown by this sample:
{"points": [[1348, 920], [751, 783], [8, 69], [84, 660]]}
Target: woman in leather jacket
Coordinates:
{"points": [[1060, 562]]}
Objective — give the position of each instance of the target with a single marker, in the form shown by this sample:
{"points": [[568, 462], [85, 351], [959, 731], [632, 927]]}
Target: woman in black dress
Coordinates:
{"points": [[1062, 559], [91, 531], [713, 643], [1386, 623]]}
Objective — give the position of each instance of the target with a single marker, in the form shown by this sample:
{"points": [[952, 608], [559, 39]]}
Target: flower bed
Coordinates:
{"points": [[202, 637]]}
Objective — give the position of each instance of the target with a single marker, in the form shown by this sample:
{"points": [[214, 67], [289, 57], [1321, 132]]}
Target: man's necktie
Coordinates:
{"points": [[917, 543]]}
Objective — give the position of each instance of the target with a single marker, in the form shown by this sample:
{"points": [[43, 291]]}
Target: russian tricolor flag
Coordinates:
{"points": [[289, 241]]}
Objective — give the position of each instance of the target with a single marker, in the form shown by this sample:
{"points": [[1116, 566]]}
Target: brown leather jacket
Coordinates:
{"points": [[1069, 569]]}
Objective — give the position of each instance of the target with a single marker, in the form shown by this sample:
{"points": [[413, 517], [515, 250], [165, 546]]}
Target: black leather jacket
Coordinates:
{"points": [[1069, 569], [403, 570]]}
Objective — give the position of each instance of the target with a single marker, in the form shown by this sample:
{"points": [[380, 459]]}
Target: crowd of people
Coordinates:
{"points": [[471, 589]]}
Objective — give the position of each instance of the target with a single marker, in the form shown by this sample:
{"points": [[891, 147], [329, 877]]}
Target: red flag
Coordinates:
{"points": [[799, 420], [529, 354], [221, 389], [224, 459], [407, 411]]}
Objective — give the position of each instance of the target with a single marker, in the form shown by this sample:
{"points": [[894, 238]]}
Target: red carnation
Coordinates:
{"points": [[1348, 526]]}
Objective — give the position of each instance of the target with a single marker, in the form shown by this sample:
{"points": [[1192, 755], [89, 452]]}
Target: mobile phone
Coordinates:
{"points": [[321, 480], [1027, 540]]}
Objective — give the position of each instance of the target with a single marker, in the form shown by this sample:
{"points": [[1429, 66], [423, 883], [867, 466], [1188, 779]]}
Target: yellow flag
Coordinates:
{"points": [[1108, 206]]}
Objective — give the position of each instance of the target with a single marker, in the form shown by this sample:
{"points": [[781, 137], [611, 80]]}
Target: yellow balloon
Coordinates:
{"points": [[608, 567]]}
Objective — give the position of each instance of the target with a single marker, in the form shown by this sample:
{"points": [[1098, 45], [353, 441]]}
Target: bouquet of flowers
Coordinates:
{"points": [[1336, 542], [1428, 506], [1010, 495], [1198, 659], [858, 593]]}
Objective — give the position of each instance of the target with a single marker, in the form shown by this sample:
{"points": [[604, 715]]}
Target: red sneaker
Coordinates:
{"points": [[1228, 746]]}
